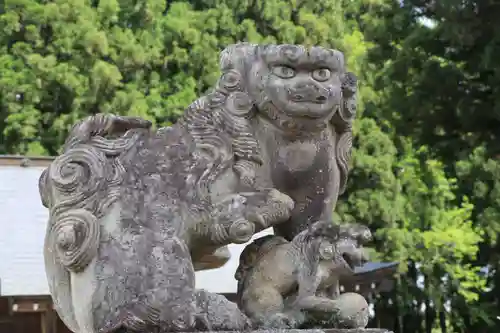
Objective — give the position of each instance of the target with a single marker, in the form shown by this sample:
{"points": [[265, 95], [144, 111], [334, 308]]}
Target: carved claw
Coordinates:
{"points": [[282, 198], [274, 208], [238, 217], [257, 218]]}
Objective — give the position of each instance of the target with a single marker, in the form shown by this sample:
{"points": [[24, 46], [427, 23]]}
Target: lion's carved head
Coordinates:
{"points": [[294, 86], [300, 90]]}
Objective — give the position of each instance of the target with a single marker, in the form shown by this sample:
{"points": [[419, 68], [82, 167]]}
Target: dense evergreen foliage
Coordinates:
{"points": [[425, 175], [438, 78]]}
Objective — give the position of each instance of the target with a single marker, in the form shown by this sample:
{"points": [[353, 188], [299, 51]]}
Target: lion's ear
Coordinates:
{"points": [[236, 56], [356, 231], [349, 85], [347, 111]]}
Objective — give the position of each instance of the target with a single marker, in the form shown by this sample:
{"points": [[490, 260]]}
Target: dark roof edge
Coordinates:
{"points": [[25, 161]]}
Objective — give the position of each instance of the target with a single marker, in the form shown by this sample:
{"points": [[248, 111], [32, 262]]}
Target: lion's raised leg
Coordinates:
{"points": [[268, 207], [236, 218]]}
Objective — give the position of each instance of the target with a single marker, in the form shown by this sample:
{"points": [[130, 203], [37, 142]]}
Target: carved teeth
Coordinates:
{"points": [[348, 260]]}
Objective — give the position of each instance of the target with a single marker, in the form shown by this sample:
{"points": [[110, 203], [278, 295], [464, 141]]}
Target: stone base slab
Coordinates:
{"points": [[329, 330]]}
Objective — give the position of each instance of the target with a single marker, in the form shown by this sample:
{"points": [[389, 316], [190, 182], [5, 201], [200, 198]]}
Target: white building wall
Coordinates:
{"points": [[23, 221]]}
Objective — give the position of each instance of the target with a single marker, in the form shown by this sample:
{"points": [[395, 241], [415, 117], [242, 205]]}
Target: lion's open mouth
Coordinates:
{"points": [[348, 260], [300, 99]]}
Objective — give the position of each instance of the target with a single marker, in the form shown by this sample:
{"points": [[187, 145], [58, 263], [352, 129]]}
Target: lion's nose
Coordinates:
{"points": [[307, 93], [321, 99]]}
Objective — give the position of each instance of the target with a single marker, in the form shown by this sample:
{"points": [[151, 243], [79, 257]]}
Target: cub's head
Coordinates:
{"points": [[290, 83], [342, 244]]}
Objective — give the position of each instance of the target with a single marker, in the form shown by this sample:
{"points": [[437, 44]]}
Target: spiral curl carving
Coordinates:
{"points": [[101, 125], [239, 104], [291, 52], [75, 237], [220, 123], [77, 176], [203, 123], [343, 156], [349, 88], [237, 111], [217, 233], [230, 81], [342, 122], [241, 231], [81, 184], [114, 147]]}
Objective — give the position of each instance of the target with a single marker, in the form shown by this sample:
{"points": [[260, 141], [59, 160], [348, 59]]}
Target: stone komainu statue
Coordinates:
{"points": [[302, 105], [131, 208]]}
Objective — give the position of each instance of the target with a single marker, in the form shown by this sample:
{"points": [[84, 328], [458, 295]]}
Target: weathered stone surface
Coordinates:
{"points": [[219, 313], [131, 208]]}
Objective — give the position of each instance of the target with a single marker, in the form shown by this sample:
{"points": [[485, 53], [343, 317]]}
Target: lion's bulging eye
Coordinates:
{"points": [[327, 251], [283, 72], [321, 74]]}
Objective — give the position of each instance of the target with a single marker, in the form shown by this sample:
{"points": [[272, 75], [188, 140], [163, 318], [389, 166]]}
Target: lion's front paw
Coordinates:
{"points": [[274, 209]]}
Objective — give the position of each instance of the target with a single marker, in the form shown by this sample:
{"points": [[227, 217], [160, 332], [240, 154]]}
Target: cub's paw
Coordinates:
{"points": [[282, 321]]}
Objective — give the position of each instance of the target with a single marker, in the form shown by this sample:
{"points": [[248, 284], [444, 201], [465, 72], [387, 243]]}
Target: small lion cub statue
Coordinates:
{"points": [[281, 284]]}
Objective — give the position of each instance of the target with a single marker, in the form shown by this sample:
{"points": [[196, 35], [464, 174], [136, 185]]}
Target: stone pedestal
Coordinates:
{"points": [[331, 330]]}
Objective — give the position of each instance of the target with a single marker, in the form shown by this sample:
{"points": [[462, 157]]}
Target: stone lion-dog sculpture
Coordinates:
{"points": [[131, 208], [279, 280]]}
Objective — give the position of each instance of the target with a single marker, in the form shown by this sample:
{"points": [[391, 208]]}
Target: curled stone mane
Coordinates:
{"points": [[342, 123], [220, 122], [91, 164]]}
